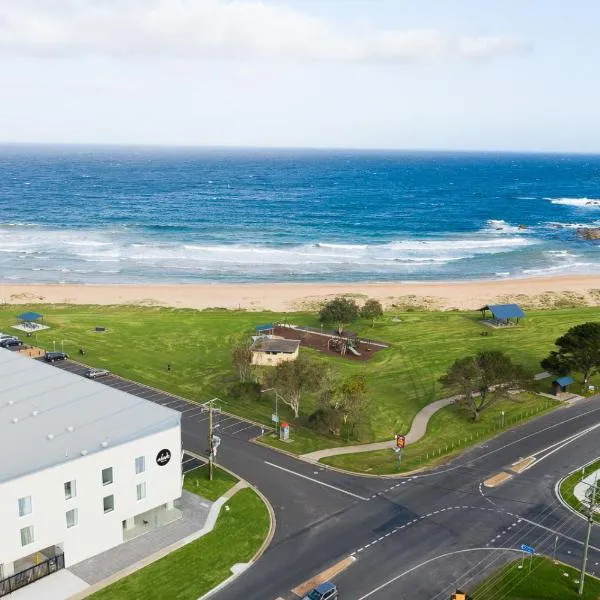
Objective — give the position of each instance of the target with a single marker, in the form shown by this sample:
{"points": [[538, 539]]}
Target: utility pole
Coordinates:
{"points": [[210, 441], [213, 440], [587, 535]]}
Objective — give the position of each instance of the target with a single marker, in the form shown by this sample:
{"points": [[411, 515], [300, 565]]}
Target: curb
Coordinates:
{"points": [[259, 552], [559, 495]]}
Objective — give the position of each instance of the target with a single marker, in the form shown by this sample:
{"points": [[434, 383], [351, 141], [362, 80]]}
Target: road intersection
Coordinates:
{"points": [[417, 537]]}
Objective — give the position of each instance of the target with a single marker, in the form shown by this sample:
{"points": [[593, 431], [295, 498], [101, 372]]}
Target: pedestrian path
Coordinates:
{"points": [[417, 431]]}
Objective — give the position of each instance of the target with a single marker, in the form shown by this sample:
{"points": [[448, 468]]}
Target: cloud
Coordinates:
{"points": [[219, 28]]}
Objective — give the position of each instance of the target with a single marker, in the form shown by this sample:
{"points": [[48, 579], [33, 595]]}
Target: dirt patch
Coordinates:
{"points": [[320, 342]]}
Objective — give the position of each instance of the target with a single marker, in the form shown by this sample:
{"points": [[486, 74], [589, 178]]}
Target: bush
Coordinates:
{"points": [[246, 391]]}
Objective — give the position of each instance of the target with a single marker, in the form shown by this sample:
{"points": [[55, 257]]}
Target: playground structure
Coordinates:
{"points": [[343, 344], [346, 344]]}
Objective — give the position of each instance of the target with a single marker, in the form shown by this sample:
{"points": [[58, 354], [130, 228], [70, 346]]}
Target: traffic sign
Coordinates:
{"points": [[274, 418], [400, 441], [527, 549]]}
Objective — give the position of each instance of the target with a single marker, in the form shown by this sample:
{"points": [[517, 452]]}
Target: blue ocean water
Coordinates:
{"points": [[86, 214]]}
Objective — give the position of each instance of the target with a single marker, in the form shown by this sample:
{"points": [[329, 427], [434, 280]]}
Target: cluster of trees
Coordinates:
{"points": [[341, 403], [342, 311], [578, 351], [487, 377]]}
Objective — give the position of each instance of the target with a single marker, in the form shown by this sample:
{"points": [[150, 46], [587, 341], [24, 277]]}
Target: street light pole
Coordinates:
{"points": [[587, 535]]}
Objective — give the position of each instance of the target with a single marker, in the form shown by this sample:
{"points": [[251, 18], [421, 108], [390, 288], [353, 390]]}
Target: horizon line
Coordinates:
{"points": [[241, 147]]}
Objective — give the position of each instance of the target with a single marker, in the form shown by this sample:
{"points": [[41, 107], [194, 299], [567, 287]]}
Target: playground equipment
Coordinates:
{"points": [[344, 344]]}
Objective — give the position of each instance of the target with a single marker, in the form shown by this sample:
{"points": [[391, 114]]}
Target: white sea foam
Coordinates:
{"points": [[84, 254], [501, 226], [577, 202]]}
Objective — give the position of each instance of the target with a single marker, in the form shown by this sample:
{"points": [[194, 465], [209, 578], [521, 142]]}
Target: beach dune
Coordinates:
{"points": [[282, 297]]}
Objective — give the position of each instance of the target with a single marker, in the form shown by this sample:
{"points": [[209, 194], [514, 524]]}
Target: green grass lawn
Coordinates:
{"points": [[141, 341], [197, 482], [546, 581], [568, 485], [193, 570], [448, 431]]}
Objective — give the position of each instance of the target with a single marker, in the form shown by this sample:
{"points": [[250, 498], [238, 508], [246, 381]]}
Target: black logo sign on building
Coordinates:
{"points": [[163, 457]]}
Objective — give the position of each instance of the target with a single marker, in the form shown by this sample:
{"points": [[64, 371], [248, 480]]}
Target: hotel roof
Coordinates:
{"points": [[49, 416]]}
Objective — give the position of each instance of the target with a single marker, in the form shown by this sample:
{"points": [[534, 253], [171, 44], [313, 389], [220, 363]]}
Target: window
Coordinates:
{"points": [[107, 476], [108, 503], [72, 517], [27, 535], [24, 506], [141, 490], [140, 464], [70, 489]]}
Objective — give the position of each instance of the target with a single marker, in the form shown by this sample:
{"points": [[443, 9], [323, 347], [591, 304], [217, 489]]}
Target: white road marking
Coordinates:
{"points": [[384, 585], [333, 487]]}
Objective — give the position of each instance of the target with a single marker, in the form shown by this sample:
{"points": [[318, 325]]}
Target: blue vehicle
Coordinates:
{"points": [[325, 591]]}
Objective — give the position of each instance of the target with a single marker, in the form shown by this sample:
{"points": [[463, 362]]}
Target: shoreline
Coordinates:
{"points": [[533, 293]]}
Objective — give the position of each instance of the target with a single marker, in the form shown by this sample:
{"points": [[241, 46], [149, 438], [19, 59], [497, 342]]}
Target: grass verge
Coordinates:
{"points": [[567, 487], [193, 570], [546, 581], [197, 482], [449, 431], [141, 343]]}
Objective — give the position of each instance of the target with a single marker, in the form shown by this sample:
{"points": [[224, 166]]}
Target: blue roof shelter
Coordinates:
{"points": [[266, 327], [504, 312], [560, 384], [30, 317]]}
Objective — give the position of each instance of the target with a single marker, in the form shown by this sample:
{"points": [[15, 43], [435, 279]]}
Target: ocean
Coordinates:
{"points": [[109, 215]]}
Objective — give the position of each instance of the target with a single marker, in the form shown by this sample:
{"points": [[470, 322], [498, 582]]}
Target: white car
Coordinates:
{"points": [[93, 373]]}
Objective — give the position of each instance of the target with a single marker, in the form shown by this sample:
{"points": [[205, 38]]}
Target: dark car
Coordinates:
{"points": [[325, 591], [54, 356], [10, 343], [93, 373]]}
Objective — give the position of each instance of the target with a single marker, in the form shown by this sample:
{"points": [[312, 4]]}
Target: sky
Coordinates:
{"points": [[401, 74]]}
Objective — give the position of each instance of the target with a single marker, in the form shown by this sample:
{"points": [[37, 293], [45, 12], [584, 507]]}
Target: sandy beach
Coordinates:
{"points": [[530, 293]]}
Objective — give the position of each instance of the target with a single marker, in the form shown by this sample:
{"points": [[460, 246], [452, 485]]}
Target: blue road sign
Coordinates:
{"points": [[527, 549]]}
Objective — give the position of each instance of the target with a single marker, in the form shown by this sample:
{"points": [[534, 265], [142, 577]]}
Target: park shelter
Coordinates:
{"points": [[30, 317], [265, 329], [560, 384], [502, 314]]}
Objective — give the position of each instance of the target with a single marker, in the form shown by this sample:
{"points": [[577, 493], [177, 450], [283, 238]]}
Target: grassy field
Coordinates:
{"points": [[546, 581], [197, 482], [446, 436], [193, 570], [140, 342], [568, 485]]}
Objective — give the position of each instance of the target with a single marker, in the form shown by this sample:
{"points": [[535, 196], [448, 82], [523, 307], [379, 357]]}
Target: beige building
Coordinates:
{"points": [[271, 351]]}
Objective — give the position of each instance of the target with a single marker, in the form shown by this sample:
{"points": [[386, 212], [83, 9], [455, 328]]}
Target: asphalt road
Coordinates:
{"points": [[419, 537]]}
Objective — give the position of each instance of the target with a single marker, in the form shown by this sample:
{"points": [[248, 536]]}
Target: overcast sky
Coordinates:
{"points": [[427, 74]]}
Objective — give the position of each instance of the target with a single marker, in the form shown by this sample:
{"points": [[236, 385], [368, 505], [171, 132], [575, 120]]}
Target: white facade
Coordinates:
{"points": [[95, 530], [84, 466]]}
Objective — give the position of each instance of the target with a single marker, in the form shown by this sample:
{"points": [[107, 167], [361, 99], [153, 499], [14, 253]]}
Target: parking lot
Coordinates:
{"points": [[224, 424]]}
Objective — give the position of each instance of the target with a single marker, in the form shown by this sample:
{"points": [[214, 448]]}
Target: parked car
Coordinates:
{"points": [[10, 343], [325, 591], [54, 356], [5, 336], [93, 373]]}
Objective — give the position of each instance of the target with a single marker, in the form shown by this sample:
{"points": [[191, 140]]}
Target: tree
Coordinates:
{"points": [[578, 350], [372, 309], [242, 360], [292, 379], [342, 405], [483, 380], [339, 310]]}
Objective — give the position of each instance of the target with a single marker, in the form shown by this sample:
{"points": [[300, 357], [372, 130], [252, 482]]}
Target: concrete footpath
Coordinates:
{"points": [[417, 431]]}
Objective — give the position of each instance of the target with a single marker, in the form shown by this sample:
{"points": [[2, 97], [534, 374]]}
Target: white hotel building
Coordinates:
{"points": [[83, 467]]}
